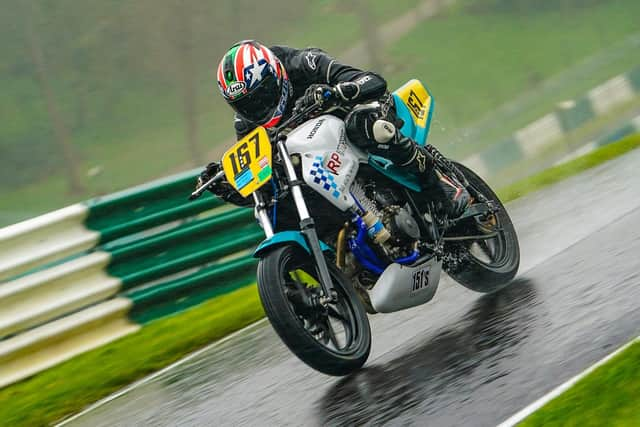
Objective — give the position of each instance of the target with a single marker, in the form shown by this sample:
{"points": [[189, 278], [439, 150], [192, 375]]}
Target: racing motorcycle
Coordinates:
{"points": [[348, 233]]}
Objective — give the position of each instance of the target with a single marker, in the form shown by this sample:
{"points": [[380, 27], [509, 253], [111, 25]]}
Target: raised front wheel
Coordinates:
{"points": [[335, 338]]}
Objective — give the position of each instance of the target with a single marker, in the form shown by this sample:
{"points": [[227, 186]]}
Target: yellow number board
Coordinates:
{"points": [[416, 97], [247, 165]]}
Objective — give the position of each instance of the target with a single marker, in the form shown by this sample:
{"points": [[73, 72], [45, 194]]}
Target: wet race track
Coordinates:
{"points": [[462, 359]]}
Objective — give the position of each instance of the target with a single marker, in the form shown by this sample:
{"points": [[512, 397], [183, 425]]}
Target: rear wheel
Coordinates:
{"points": [[486, 265], [335, 338]]}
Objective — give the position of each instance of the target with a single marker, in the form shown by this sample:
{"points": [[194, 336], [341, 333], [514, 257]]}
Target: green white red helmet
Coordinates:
{"points": [[254, 83]]}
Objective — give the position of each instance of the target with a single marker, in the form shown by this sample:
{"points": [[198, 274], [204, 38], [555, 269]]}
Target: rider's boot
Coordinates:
{"points": [[406, 153]]}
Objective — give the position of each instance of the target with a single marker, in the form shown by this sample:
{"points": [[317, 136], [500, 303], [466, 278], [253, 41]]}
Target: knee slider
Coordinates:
{"points": [[383, 131]]}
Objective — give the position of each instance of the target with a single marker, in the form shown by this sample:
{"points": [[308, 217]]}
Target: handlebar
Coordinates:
{"points": [[298, 116], [294, 118]]}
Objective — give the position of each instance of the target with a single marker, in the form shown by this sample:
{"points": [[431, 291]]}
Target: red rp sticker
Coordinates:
{"points": [[334, 163]]}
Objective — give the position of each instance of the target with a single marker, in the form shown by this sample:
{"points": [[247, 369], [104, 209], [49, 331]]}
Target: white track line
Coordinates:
{"points": [[524, 413], [148, 378]]}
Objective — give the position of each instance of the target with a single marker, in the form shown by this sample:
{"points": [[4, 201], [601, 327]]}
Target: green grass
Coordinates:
{"points": [[69, 387], [474, 63], [608, 396], [333, 25], [573, 167]]}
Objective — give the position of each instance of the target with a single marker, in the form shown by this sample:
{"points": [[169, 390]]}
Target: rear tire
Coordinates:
{"points": [[490, 276], [303, 328]]}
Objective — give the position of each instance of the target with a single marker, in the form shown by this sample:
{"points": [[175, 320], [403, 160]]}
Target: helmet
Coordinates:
{"points": [[254, 83]]}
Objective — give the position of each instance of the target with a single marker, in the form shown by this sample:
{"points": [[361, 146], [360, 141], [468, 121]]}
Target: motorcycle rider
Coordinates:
{"points": [[261, 85]]}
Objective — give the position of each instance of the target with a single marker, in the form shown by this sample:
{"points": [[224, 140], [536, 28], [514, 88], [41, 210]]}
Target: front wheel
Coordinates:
{"points": [[334, 339], [487, 265]]}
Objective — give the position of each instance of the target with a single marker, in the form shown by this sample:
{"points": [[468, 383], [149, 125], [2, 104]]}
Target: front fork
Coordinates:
{"points": [[307, 224]]}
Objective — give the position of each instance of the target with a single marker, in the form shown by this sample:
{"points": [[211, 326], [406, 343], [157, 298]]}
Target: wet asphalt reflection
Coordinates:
{"points": [[492, 329], [462, 359]]}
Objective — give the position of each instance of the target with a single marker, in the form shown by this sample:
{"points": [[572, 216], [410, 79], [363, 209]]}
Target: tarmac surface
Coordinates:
{"points": [[462, 359]]}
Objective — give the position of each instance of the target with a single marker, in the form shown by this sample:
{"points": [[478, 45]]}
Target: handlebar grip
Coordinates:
{"points": [[198, 192]]}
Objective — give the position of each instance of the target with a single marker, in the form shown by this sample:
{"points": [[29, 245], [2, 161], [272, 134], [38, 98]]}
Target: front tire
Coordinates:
{"points": [[499, 265], [335, 340]]}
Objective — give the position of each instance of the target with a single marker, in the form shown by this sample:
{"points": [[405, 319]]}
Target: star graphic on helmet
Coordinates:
{"points": [[253, 74]]}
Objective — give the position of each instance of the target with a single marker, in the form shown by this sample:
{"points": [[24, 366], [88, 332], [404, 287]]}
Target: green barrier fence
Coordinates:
{"points": [[179, 294], [146, 206], [577, 115], [634, 78], [571, 116], [146, 248], [191, 247]]}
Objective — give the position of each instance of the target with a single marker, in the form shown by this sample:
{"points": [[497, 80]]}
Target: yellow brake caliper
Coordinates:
{"points": [[304, 277]]}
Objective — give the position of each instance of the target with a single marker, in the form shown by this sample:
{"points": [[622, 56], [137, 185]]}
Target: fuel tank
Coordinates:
{"points": [[329, 161]]}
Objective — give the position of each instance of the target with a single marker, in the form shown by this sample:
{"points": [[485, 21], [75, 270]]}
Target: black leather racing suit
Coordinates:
{"points": [[309, 66], [306, 67]]}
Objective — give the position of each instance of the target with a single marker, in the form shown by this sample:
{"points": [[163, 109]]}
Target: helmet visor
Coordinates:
{"points": [[260, 103]]}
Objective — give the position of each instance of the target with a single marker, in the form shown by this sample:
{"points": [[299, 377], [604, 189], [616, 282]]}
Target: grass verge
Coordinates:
{"points": [[67, 388], [572, 167], [607, 396]]}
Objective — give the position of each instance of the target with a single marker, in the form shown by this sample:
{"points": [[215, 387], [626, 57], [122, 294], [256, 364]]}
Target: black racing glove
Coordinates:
{"points": [[221, 188], [317, 94], [326, 96]]}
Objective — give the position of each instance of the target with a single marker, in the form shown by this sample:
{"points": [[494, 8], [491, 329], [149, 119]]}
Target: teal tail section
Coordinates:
{"points": [[414, 105]]}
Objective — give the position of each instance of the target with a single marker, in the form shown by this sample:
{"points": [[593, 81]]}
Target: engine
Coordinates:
{"points": [[402, 235], [395, 215], [401, 225]]}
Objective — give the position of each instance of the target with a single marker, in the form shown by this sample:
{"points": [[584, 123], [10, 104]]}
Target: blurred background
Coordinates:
{"points": [[101, 95]]}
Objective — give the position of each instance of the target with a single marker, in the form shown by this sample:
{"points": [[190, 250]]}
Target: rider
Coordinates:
{"points": [[261, 85]]}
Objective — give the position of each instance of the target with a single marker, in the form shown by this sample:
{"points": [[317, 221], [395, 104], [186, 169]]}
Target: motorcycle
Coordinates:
{"points": [[349, 233]]}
